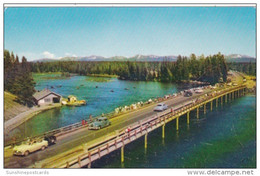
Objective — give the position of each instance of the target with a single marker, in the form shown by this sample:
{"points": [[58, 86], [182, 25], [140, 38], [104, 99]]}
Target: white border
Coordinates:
{"points": [[117, 3]]}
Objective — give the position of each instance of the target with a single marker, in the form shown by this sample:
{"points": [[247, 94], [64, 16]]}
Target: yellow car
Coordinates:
{"points": [[30, 146]]}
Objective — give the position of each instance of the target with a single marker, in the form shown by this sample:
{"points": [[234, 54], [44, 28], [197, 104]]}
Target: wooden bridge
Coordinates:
{"points": [[119, 139]]}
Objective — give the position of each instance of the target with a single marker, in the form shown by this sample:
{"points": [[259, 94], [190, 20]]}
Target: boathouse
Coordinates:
{"points": [[46, 96]]}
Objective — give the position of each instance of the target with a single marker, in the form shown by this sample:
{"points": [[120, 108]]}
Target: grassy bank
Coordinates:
{"points": [[12, 108]]}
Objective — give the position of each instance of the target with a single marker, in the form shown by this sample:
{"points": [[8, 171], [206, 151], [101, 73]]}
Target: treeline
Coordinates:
{"points": [[248, 68], [18, 78], [209, 69]]}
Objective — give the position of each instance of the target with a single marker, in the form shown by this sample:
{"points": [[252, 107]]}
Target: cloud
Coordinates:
{"points": [[49, 55], [70, 55]]}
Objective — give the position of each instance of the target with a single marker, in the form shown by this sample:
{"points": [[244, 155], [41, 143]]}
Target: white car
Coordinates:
{"points": [[198, 91], [30, 146], [160, 107]]}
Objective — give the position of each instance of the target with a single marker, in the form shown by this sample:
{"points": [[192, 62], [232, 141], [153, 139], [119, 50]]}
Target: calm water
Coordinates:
{"points": [[99, 100], [224, 138]]}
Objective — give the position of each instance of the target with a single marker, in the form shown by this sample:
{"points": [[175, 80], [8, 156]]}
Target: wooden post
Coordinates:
{"points": [[89, 157], [79, 161], [197, 112], [188, 117], [163, 135], [230, 95], [122, 154], [211, 105], [226, 98], [205, 108], [221, 99], [145, 141], [216, 102], [177, 123]]}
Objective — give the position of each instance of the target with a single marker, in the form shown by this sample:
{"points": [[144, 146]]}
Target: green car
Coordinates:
{"points": [[99, 123]]}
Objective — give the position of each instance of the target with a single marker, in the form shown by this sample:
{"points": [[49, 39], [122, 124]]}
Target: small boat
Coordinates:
{"points": [[77, 87], [59, 86], [126, 89], [134, 87], [96, 86], [72, 101], [111, 90]]}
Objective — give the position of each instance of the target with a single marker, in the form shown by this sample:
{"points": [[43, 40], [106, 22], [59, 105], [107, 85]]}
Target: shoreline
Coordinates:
{"points": [[25, 116]]}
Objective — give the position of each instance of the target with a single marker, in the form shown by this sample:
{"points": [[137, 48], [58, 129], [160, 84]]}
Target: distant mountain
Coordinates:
{"points": [[148, 58], [238, 58], [45, 60]]}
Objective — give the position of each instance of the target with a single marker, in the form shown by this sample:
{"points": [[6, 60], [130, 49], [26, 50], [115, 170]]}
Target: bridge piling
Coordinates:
{"points": [[216, 102], [188, 117], [221, 100], [205, 108], [211, 105], [163, 127], [226, 98], [122, 154], [145, 141], [197, 112], [177, 123]]}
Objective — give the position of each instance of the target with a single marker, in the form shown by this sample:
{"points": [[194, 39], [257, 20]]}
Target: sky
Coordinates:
{"points": [[83, 31]]}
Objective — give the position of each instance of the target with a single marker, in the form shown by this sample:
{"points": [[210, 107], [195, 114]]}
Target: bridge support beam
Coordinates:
{"points": [[230, 95], [198, 113], [205, 108], [188, 117], [221, 100], [145, 141], [216, 102], [177, 123], [226, 98], [122, 154], [211, 105], [163, 128]]}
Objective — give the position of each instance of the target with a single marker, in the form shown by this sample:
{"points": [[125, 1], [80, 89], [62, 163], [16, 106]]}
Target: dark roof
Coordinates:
{"points": [[44, 93]]}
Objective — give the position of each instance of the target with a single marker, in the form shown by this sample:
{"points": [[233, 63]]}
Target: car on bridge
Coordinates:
{"points": [[99, 123], [187, 93], [160, 107], [30, 146]]}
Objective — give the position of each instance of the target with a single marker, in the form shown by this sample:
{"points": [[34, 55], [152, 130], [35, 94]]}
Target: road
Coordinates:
{"points": [[82, 136]]}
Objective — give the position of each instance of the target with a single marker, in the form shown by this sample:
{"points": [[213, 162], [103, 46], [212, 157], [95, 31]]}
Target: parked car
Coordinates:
{"points": [[99, 123], [30, 146], [234, 84], [187, 94], [160, 107]]}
